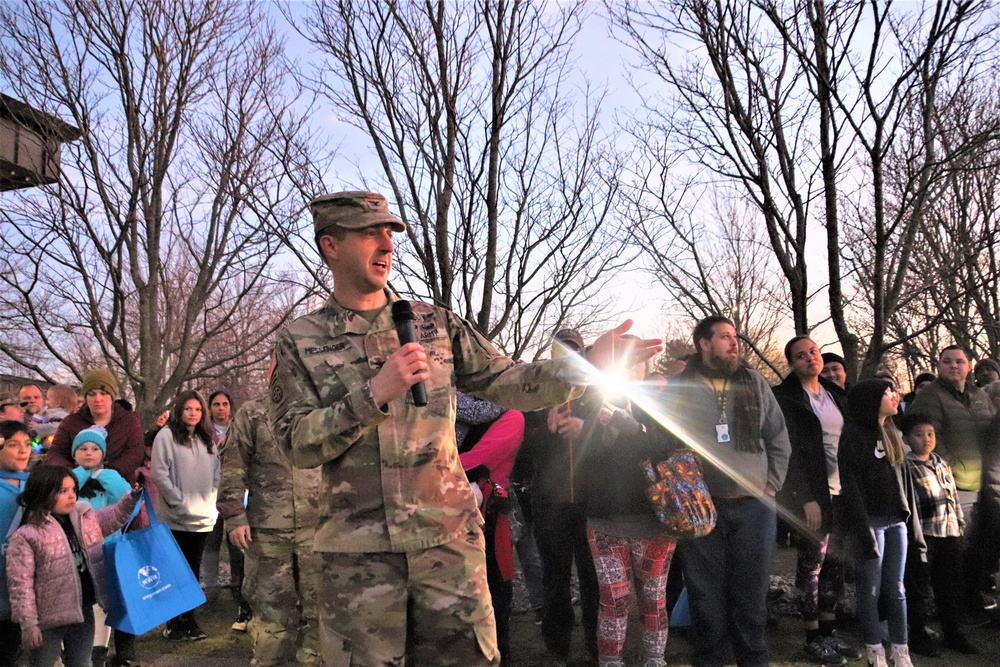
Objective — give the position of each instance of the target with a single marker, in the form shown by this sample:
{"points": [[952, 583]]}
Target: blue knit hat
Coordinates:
{"points": [[95, 434]]}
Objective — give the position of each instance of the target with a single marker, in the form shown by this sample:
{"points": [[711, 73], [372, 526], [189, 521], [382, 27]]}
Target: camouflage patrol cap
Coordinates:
{"points": [[352, 210]]}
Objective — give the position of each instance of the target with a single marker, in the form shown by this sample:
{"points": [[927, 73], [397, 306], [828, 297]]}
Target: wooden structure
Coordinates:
{"points": [[30, 145]]}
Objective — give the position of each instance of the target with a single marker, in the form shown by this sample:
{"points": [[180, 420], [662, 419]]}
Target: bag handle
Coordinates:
{"points": [[144, 499], [15, 521], [14, 524]]}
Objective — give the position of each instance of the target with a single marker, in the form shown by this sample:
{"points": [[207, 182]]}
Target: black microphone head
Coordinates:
{"points": [[402, 311]]}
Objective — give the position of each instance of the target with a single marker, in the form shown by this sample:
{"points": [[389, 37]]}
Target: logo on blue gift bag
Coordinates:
{"points": [[149, 577]]}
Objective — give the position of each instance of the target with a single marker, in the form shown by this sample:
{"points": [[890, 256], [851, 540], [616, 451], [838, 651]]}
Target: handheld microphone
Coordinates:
{"points": [[402, 317]]}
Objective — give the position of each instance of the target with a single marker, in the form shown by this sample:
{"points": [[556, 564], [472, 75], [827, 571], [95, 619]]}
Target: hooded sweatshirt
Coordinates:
{"points": [[873, 489]]}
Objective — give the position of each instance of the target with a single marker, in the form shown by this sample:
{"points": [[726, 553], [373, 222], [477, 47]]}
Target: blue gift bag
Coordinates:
{"points": [[680, 617], [149, 580]]}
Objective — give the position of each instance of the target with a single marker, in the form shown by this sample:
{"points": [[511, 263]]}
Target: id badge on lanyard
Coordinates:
{"points": [[722, 429]]}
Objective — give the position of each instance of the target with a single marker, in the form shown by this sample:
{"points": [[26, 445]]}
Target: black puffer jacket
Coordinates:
{"points": [[988, 534], [806, 480]]}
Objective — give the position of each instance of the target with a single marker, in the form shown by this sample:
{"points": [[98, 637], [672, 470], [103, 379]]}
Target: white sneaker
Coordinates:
{"points": [[876, 655], [901, 656]]}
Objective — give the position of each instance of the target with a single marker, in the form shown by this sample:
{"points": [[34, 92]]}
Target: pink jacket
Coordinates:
{"points": [[42, 578]]}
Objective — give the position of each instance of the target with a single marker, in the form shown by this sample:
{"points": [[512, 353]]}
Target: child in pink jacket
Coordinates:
{"points": [[55, 566]]}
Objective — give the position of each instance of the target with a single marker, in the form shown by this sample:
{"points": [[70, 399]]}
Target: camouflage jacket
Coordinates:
{"points": [[280, 498], [392, 480]]}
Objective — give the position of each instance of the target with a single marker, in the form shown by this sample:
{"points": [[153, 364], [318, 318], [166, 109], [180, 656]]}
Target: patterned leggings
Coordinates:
{"points": [[614, 559], [819, 577]]}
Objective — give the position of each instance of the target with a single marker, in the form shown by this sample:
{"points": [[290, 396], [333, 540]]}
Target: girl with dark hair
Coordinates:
{"points": [[185, 469], [55, 566], [879, 510]]}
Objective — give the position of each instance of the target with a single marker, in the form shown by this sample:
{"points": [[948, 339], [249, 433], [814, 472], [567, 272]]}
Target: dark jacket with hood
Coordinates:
{"points": [[871, 487], [807, 479]]}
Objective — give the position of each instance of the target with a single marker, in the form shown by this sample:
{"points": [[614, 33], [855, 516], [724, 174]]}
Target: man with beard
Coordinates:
{"points": [[737, 426]]}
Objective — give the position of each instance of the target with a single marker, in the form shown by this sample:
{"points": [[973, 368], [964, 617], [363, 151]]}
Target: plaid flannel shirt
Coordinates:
{"points": [[940, 513]]}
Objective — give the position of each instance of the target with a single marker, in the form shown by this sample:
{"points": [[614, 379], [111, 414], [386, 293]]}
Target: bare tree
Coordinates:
{"points": [[503, 182], [893, 99], [821, 98], [738, 109], [156, 253], [713, 261]]}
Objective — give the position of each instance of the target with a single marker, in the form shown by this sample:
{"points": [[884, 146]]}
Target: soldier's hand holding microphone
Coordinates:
{"points": [[405, 367]]}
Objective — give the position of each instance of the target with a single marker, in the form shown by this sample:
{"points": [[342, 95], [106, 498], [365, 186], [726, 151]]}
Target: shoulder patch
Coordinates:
{"points": [[277, 393]]}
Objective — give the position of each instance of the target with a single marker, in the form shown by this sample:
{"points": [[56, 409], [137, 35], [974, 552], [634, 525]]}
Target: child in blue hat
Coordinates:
{"points": [[100, 487]]}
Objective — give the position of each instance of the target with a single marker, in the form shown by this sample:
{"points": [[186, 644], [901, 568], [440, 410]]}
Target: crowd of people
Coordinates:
{"points": [[372, 524], [98, 450]]}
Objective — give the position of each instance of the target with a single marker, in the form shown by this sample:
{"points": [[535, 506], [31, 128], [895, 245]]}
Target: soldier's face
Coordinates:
{"points": [[363, 258]]}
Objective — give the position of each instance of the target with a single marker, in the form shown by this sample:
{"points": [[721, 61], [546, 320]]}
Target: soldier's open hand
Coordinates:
{"points": [[611, 352], [402, 369]]}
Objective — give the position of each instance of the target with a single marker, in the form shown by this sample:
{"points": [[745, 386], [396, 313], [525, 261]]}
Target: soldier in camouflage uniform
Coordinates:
{"points": [[403, 566], [275, 531]]}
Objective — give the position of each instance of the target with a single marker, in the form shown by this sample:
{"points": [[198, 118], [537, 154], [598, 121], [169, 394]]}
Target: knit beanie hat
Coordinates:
{"points": [[829, 357], [991, 364], [100, 378], [95, 434]]}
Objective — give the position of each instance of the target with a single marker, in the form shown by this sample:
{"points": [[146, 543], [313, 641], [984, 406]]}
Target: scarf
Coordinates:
{"points": [[745, 431], [91, 488]]}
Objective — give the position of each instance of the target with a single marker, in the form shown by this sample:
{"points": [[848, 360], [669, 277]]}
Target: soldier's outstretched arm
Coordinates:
{"points": [[309, 430]]}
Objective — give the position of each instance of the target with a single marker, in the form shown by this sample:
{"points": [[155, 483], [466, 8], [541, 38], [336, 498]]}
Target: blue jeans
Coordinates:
{"points": [[74, 642], [531, 566], [883, 577], [727, 573]]}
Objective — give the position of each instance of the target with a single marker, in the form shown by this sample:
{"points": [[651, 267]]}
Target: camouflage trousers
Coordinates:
{"points": [[280, 584], [426, 607]]}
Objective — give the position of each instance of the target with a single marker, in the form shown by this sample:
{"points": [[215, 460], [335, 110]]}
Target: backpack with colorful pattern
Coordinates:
{"points": [[680, 496]]}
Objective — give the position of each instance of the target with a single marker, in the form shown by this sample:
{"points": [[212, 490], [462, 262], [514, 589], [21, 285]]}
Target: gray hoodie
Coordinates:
{"points": [[187, 478]]}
